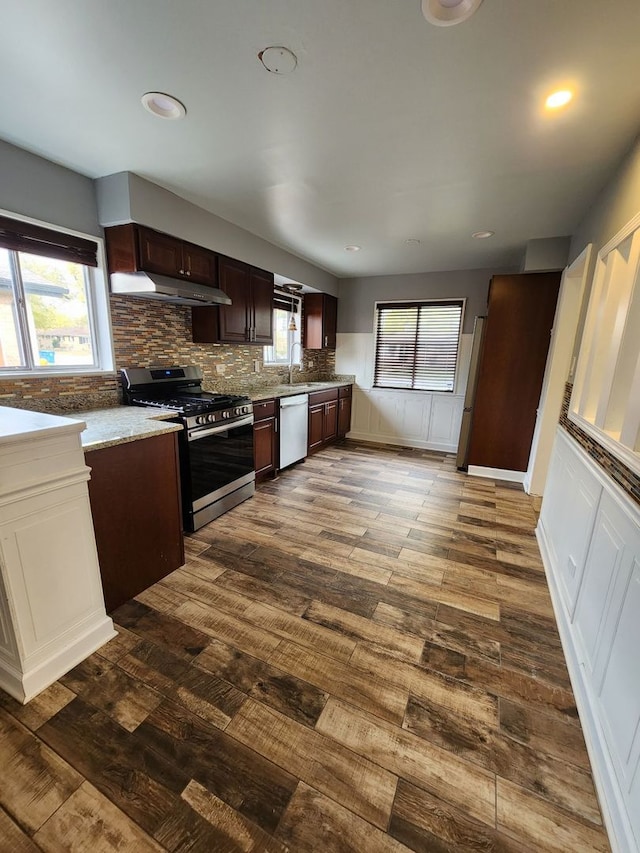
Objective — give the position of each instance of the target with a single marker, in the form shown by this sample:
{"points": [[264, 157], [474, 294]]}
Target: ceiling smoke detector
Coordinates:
{"points": [[278, 59], [445, 13], [482, 235]]}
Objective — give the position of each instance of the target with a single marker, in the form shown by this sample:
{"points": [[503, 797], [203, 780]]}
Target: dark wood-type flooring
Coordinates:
{"points": [[363, 657]]}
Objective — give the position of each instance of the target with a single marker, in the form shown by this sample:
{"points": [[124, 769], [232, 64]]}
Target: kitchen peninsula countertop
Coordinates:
{"points": [[120, 424]]}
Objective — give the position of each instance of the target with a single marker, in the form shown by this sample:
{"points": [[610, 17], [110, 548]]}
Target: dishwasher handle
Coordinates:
{"points": [[298, 400]]}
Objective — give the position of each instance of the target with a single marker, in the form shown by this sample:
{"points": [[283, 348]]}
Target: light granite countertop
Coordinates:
{"points": [[296, 388], [120, 424]]}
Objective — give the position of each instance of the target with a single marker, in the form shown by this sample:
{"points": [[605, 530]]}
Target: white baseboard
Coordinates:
{"points": [[610, 797], [402, 442], [497, 473], [23, 686]]}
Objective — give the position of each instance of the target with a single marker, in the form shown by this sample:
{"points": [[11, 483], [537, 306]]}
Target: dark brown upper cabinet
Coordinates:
{"points": [[320, 321], [134, 248], [249, 319]]}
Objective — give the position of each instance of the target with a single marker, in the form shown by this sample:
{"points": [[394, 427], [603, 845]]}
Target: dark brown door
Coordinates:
{"points": [[234, 319], [516, 342], [316, 426], [330, 425], [344, 415], [262, 308], [264, 446], [199, 264], [160, 253]]}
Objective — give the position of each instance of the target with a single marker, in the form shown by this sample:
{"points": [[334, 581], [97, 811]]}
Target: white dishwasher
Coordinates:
{"points": [[294, 420]]}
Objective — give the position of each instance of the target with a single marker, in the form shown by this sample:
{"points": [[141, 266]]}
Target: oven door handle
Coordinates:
{"points": [[194, 435]]}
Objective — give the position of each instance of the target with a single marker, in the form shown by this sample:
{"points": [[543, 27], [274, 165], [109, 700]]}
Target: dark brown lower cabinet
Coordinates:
{"points": [[316, 427], [265, 438], [344, 410], [135, 502], [328, 419]]}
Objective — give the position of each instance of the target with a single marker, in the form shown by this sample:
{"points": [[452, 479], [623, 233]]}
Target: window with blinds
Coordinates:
{"points": [[53, 303], [417, 344]]}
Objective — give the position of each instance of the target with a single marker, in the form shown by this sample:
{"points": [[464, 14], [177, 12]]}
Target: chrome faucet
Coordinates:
{"points": [[293, 345]]}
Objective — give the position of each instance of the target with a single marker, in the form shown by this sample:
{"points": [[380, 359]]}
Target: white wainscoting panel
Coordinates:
{"points": [[409, 418], [589, 536]]}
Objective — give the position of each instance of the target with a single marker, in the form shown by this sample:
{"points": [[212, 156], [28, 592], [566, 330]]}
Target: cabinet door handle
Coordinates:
{"points": [[326, 340], [188, 272], [181, 272], [275, 426]]}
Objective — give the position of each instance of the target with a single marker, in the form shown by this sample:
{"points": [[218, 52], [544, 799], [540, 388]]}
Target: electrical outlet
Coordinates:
{"points": [[221, 368], [256, 365]]}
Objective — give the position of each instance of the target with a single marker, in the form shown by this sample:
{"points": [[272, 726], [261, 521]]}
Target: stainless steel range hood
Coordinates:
{"points": [[148, 285]]}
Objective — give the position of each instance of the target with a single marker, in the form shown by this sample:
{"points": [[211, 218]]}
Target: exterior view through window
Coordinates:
{"points": [[45, 313], [417, 344], [285, 307]]}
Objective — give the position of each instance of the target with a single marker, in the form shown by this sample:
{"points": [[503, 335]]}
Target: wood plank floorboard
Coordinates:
{"points": [[362, 658]]}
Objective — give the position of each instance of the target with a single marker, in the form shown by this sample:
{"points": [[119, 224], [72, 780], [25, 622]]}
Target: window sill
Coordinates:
{"points": [[48, 374]]}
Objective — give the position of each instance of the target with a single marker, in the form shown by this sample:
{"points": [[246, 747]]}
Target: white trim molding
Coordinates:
{"points": [[497, 473]]}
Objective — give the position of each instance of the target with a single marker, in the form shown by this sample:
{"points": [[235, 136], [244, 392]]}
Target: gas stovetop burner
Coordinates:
{"points": [[180, 390]]}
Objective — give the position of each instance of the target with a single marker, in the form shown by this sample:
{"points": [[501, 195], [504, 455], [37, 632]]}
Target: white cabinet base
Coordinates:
{"points": [[52, 612], [598, 623], [23, 686]]}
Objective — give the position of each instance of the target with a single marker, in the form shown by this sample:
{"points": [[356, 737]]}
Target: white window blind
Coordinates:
{"points": [[417, 345]]}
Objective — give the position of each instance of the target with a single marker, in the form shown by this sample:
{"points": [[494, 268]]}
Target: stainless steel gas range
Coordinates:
{"points": [[217, 468]]}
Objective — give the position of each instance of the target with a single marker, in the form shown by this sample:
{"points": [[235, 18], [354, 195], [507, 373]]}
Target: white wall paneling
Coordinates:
{"points": [[589, 535], [410, 418], [606, 393], [52, 612]]}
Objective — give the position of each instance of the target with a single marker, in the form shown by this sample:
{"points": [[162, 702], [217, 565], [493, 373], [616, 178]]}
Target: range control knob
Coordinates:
{"points": [[211, 418], [201, 419], [226, 414]]}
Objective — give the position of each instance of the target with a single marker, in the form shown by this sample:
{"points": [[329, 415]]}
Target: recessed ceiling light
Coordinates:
{"points": [[482, 235], [558, 99], [445, 13], [278, 59], [412, 241], [352, 248], [163, 106]]}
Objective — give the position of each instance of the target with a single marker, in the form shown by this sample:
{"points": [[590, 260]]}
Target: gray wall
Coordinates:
{"points": [[40, 189], [124, 197], [615, 206], [357, 296]]}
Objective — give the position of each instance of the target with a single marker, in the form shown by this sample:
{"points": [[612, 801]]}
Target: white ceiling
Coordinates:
{"points": [[390, 128]]}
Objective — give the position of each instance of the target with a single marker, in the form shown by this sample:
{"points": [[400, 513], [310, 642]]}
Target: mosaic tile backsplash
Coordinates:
{"points": [[147, 333], [614, 468]]}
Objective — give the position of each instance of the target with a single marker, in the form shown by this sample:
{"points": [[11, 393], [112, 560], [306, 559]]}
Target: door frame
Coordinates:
{"points": [[557, 370]]}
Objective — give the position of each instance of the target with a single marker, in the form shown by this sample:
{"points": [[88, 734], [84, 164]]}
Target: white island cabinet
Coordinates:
{"points": [[52, 612]]}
